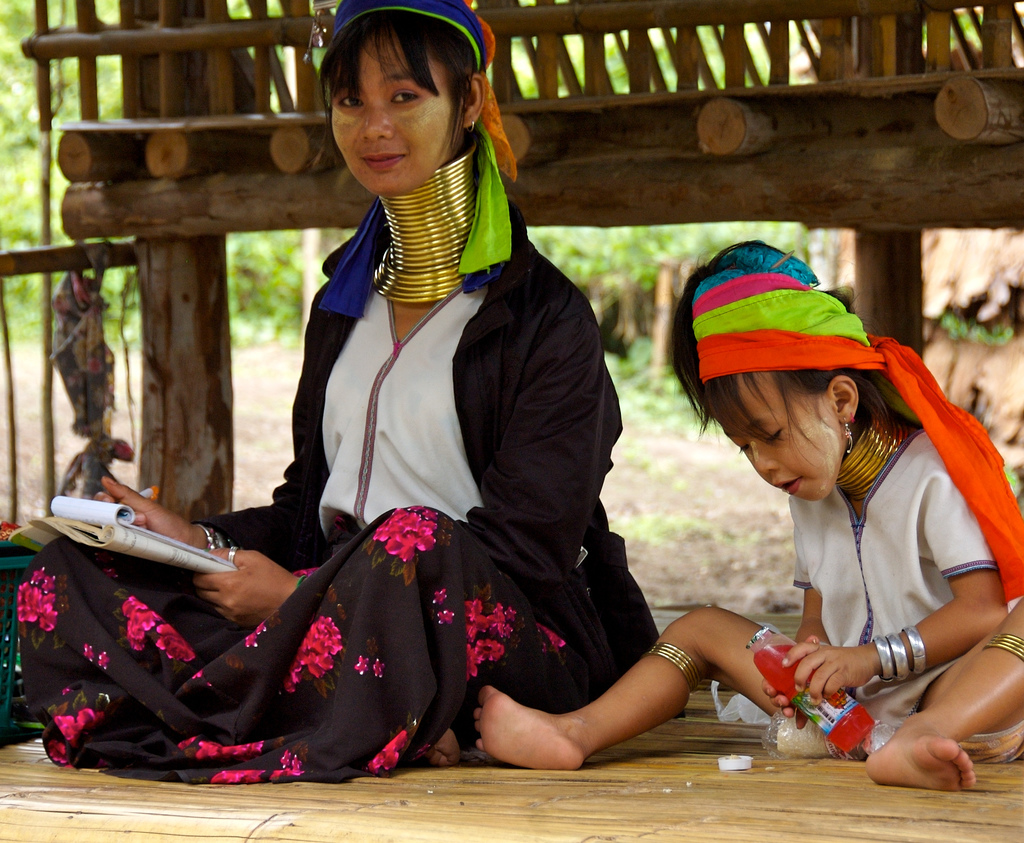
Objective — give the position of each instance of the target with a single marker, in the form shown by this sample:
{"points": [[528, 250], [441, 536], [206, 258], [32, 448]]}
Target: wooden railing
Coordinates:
{"points": [[547, 51]]}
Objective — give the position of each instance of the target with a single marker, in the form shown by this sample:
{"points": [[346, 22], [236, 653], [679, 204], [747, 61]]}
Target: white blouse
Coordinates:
{"points": [[391, 432]]}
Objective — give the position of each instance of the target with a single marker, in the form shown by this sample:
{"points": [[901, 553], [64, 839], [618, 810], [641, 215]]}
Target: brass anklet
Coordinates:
{"points": [[1011, 643], [680, 659]]}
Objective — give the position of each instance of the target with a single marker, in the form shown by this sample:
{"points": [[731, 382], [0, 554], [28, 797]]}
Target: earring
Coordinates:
{"points": [[849, 437], [472, 127]]}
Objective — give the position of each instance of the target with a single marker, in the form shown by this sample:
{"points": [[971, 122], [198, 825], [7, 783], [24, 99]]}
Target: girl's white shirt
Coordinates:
{"points": [[889, 569], [391, 432]]}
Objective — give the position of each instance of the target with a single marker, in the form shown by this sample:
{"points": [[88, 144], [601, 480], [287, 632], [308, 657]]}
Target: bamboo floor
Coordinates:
{"points": [[662, 786]]}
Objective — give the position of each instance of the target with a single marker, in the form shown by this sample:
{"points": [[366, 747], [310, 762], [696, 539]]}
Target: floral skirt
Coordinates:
{"points": [[375, 655]]}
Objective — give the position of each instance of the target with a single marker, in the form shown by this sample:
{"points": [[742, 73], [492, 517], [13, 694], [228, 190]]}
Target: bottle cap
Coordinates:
{"points": [[734, 763]]}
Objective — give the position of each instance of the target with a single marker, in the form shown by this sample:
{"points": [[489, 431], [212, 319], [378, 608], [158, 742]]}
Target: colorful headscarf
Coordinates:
{"points": [[490, 240], [760, 312]]}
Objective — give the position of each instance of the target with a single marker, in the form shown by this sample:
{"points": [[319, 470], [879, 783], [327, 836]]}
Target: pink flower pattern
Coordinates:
{"points": [[75, 728], [141, 619], [387, 758], [316, 653], [480, 624], [36, 599], [211, 750]]}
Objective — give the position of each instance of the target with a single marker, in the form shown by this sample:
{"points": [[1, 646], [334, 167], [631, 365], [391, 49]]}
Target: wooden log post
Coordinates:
{"points": [[981, 111], [176, 155], [889, 285], [296, 149], [729, 127], [187, 398], [108, 156]]}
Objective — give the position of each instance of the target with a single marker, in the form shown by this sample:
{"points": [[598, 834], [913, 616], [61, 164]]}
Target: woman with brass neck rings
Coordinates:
{"points": [[440, 526]]}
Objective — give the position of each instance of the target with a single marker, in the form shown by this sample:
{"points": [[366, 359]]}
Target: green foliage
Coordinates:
{"points": [[959, 328], [614, 256], [265, 286]]}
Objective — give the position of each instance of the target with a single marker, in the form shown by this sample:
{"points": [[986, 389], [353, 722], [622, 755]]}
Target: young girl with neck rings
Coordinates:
{"points": [[909, 542]]}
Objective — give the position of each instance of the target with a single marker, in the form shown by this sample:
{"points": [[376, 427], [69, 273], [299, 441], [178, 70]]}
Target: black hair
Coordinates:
{"points": [[405, 40], [721, 399]]}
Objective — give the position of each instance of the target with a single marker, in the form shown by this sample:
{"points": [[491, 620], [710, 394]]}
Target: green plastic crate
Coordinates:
{"points": [[14, 560]]}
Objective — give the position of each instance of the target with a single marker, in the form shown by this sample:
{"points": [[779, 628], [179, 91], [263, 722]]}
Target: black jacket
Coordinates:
{"points": [[539, 417]]}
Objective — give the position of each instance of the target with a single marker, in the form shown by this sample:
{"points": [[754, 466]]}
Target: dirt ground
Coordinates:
{"points": [[700, 527]]}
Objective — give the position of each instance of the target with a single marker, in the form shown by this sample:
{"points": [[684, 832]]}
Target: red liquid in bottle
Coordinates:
{"points": [[845, 722]]}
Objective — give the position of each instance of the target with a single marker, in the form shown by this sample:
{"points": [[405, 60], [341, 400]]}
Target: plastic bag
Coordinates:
{"points": [[739, 708]]}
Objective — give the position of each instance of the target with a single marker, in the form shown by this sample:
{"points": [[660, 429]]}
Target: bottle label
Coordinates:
{"points": [[828, 712]]}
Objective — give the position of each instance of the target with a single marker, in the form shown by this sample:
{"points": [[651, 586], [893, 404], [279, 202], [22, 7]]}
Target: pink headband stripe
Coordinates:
{"points": [[744, 287]]}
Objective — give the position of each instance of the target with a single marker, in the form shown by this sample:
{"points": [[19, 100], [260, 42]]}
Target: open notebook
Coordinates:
{"points": [[111, 526]]}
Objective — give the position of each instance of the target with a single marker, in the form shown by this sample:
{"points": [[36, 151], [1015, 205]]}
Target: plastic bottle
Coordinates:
{"points": [[845, 722]]}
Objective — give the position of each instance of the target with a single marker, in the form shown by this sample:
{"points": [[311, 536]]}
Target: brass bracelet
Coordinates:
{"points": [[680, 659], [1011, 643]]}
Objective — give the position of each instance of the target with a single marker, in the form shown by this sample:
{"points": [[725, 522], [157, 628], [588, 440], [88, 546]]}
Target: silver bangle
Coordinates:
{"points": [[885, 657], [899, 655], [916, 648], [209, 536], [215, 539]]}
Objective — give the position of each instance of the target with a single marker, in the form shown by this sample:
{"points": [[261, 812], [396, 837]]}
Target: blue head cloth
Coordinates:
{"points": [[757, 258], [455, 12]]}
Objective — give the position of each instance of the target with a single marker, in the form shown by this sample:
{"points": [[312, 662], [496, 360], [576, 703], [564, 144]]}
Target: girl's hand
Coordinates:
{"points": [[152, 516], [246, 596], [823, 670]]}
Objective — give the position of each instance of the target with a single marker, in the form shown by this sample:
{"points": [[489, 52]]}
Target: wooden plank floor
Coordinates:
{"points": [[661, 786]]}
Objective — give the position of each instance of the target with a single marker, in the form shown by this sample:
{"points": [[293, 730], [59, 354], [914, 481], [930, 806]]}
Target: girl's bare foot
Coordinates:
{"points": [[445, 753], [525, 736], [918, 756]]}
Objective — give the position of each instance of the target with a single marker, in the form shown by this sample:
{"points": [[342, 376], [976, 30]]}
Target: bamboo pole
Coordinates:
{"points": [[833, 50], [172, 77], [131, 95], [733, 46], [545, 66], [219, 69], [12, 418], [778, 51], [939, 54], [85, 11], [261, 62], [305, 79], [997, 36], [45, 107]]}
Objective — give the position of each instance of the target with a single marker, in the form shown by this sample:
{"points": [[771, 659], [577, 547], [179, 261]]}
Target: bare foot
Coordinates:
{"points": [[445, 753], [525, 736], [918, 756]]}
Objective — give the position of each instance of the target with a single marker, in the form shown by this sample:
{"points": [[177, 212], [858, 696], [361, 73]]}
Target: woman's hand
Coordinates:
{"points": [[152, 516], [823, 670], [246, 596]]}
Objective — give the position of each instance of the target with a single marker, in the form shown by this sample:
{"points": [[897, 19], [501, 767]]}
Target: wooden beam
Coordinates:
{"points": [[187, 398], [902, 187], [42, 259], [983, 112]]}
